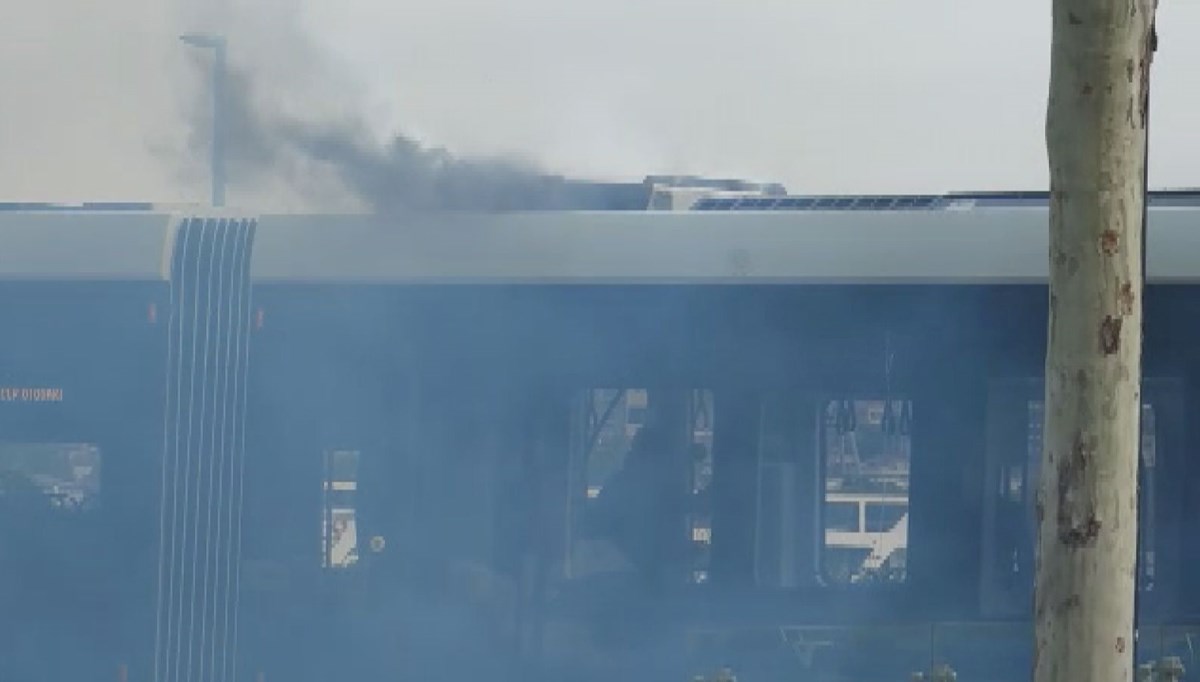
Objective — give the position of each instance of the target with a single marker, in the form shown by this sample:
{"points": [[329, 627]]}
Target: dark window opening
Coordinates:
{"points": [[630, 456]]}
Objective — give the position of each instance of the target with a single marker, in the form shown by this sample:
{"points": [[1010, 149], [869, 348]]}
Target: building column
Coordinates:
{"points": [[734, 487], [790, 491]]}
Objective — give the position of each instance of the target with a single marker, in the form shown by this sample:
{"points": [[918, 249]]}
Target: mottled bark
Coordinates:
{"points": [[1087, 501]]}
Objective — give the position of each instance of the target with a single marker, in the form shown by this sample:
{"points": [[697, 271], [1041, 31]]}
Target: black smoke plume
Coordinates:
{"points": [[401, 174]]}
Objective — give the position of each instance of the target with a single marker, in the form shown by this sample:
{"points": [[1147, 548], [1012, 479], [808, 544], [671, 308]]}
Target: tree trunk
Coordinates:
{"points": [[1087, 501]]}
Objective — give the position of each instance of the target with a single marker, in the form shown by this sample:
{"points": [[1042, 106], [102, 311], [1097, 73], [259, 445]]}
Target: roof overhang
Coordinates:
{"points": [[981, 246], [994, 246]]}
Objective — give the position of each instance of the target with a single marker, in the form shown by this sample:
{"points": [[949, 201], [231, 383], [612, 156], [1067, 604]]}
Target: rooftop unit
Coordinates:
{"points": [[683, 192]]}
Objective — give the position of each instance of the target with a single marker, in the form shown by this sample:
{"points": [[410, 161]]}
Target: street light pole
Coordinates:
{"points": [[215, 43]]}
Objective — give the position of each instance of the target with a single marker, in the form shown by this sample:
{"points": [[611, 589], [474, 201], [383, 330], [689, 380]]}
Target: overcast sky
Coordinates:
{"points": [[849, 96]]}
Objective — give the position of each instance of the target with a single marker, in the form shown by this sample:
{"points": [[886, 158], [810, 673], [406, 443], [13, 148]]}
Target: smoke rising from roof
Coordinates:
{"points": [[265, 144]]}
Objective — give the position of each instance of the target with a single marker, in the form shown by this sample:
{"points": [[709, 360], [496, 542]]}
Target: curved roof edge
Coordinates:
{"points": [[111, 245]]}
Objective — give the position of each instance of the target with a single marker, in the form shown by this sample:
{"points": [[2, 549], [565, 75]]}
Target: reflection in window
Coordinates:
{"points": [[614, 418], [867, 452], [58, 475], [630, 452], [339, 529]]}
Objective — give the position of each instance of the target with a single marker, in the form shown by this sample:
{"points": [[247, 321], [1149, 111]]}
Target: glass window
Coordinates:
{"points": [[867, 452], [339, 528], [59, 475], [615, 417], [630, 454]]}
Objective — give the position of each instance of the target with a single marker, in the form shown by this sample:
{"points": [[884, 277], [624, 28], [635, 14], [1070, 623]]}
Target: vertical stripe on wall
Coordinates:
{"points": [[208, 343]]}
